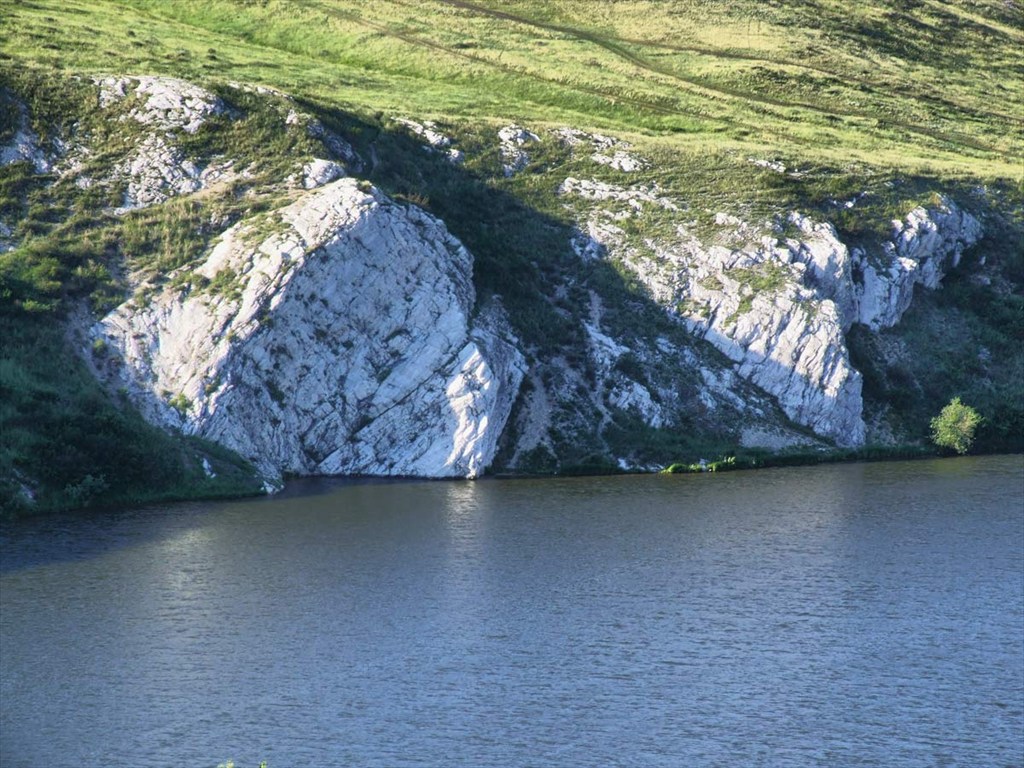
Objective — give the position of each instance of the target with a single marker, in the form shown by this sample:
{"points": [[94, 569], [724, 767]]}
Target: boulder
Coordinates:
{"points": [[333, 336]]}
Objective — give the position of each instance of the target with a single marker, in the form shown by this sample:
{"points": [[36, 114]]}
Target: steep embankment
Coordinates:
{"points": [[339, 342], [332, 334], [325, 290]]}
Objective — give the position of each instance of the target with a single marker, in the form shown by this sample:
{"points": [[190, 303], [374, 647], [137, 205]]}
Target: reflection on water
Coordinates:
{"points": [[848, 615]]}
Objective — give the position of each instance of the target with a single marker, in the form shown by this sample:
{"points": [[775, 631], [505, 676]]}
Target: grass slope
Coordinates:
{"points": [[901, 98], [909, 84]]}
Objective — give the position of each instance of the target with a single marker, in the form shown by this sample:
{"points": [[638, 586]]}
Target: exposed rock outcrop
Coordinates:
{"points": [[24, 146], [606, 150], [157, 169], [926, 244], [778, 306], [877, 290], [783, 337], [435, 139], [337, 146], [318, 172], [304, 320], [163, 103], [333, 336], [513, 139]]}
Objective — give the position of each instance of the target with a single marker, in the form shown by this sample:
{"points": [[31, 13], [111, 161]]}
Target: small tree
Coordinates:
{"points": [[954, 426]]}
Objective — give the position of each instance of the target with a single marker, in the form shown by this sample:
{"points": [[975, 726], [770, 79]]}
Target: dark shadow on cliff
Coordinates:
{"points": [[522, 253]]}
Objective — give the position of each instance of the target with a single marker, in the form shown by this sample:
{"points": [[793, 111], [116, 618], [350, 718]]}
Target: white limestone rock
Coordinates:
{"points": [[161, 103], [340, 343], [788, 340], [335, 145], [786, 337], [318, 172], [574, 137], [586, 246], [634, 396], [428, 131], [513, 138], [635, 197], [435, 139], [878, 291], [771, 165], [154, 172], [604, 350], [924, 246], [23, 146], [606, 150], [620, 161], [829, 265], [624, 393], [157, 169]]}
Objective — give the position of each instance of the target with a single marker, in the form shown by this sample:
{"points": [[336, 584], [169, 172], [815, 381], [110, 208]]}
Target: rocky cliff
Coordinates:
{"points": [[776, 297], [340, 339], [318, 325]]}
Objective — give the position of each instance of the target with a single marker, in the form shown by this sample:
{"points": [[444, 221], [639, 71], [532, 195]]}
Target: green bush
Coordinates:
{"points": [[954, 427]]}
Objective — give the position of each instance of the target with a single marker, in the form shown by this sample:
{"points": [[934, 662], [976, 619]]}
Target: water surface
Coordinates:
{"points": [[849, 615]]}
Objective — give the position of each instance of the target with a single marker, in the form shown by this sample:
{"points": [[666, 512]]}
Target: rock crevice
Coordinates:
{"points": [[778, 306], [342, 343]]}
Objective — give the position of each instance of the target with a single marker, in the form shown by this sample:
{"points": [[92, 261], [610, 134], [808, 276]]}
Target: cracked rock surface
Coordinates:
{"points": [[156, 169], [164, 103], [514, 157], [778, 306], [340, 340]]}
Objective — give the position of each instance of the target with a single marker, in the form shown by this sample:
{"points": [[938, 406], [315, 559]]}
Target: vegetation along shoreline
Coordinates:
{"points": [[242, 242]]}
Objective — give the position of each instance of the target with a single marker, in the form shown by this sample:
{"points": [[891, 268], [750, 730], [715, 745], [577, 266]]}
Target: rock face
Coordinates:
{"points": [[778, 306], [163, 103], [319, 172], [164, 109], [332, 336], [339, 333], [24, 147], [877, 291], [436, 141], [754, 306], [607, 150], [155, 172], [923, 247], [157, 169], [514, 157]]}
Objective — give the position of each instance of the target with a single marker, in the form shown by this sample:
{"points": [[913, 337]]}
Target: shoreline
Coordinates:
{"points": [[738, 462]]}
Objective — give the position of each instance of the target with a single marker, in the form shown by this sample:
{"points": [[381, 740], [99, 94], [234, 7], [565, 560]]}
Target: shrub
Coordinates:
{"points": [[181, 403], [955, 425]]}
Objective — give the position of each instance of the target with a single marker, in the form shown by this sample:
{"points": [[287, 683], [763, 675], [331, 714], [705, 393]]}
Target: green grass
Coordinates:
{"points": [[71, 444], [937, 87], [962, 341], [898, 99], [855, 99]]}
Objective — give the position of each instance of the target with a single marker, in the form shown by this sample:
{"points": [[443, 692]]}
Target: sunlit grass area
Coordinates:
{"points": [[887, 103], [922, 86]]}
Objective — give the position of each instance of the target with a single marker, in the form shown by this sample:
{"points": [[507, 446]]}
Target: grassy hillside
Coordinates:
{"points": [[899, 98], [913, 84]]}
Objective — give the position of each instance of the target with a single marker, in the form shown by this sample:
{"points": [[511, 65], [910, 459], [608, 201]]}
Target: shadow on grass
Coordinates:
{"points": [[521, 253]]}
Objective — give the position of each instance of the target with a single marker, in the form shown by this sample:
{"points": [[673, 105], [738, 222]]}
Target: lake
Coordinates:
{"points": [[843, 615]]}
